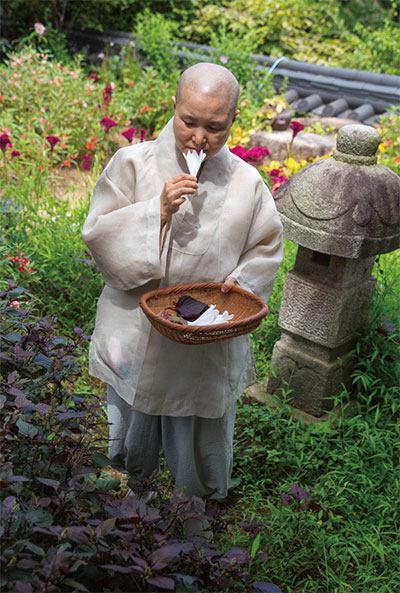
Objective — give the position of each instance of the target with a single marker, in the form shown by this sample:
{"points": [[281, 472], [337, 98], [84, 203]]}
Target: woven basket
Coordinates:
{"points": [[248, 311]]}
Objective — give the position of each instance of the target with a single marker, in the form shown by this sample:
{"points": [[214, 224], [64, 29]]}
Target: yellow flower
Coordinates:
{"points": [[382, 147], [274, 165]]}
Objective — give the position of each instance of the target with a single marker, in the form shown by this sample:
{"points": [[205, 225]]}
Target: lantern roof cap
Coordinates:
{"points": [[347, 204]]}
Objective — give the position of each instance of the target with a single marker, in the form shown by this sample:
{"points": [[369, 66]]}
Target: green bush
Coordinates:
{"points": [[46, 229], [301, 30], [154, 36]]}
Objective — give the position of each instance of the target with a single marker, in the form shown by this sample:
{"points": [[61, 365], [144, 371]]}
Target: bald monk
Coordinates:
{"points": [[151, 225]]}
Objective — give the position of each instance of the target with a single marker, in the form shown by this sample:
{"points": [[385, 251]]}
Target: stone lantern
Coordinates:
{"points": [[342, 211]]}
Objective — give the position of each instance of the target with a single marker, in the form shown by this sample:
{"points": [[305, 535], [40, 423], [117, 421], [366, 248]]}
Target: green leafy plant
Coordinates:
{"points": [[154, 35]]}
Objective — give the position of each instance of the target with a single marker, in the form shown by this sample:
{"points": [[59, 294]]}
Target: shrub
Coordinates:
{"points": [[62, 527], [301, 30], [154, 36], [47, 230]]}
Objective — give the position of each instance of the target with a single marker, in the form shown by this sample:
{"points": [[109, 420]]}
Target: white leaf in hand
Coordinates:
{"points": [[194, 160]]}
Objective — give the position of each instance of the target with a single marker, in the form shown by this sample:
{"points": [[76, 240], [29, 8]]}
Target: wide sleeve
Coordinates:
{"points": [[263, 249], [122, 229]]}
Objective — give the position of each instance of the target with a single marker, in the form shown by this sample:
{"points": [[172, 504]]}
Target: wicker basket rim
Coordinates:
{"points": [[202, 328]]}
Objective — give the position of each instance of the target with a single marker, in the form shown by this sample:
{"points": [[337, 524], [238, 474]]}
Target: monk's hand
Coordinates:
{"points": [[174, 192], [229, 282]]}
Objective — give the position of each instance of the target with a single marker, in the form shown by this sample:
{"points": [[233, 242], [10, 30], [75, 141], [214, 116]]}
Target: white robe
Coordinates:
{"points": [[230, 227]]}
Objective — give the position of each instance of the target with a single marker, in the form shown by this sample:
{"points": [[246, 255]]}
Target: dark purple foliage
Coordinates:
{"points": [[259, 587], [253, 526], [300, 499], [189, 308], [65, 526]]}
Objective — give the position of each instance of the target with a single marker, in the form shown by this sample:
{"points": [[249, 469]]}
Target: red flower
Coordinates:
{"points": [[93, 76], [15, 153], [5, 142], [52, 140], [296, 127], [107, 94], [107, 124], [129, 134], [23, 261], [143, 133], [144, 109]]}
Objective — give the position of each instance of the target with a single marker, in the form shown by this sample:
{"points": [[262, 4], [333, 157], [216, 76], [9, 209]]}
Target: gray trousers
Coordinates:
{"points": [[198, 451]]}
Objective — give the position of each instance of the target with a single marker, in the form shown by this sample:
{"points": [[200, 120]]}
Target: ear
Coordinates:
{"points": [[236, 114], [174, 101]]}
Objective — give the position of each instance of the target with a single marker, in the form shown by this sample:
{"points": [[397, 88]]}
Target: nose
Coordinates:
{"points": [[198, 137]]}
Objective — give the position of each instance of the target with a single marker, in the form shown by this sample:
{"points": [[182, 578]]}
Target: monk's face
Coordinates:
{"points": [[202, 121]]}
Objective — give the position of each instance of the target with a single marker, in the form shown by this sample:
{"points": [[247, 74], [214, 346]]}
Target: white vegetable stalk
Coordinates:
{"points": [[194, 160], [212, 317]]}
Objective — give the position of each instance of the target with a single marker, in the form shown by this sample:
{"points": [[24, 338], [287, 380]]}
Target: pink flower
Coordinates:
{"points": [[15, 304], [239, 150], [52, 140], [254, 156], [296, 127], [5, 142], [143, 133], [275, 173], [15, 153], [278, 179], [129, 134], [107, 124], [86, 161], [39, 28], [223, 59]]}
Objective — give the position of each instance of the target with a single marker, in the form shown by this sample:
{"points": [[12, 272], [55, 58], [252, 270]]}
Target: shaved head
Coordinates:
{"points": [[212, 80]]}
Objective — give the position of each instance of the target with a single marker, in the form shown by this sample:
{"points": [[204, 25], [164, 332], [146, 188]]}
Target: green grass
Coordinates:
{"points": [[348, 462]]}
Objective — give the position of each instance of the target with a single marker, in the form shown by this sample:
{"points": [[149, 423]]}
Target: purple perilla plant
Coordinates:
{"points": [[300, 499]]}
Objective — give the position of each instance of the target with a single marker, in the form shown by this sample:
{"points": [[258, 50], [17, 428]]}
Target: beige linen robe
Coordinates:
{"points": [[230, 227]]}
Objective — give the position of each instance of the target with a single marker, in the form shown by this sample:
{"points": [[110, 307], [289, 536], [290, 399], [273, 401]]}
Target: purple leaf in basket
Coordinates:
{"points": [[189, 308]]}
